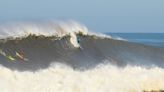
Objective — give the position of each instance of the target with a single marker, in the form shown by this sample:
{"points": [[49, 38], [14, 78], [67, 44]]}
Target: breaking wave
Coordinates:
{"points": [[52, 56], [52, 28]]}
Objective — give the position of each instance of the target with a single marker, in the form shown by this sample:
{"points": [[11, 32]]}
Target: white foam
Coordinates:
{"points": [[46, 28], [119, 38], [49, 28], [99, 35], [61, 78]]}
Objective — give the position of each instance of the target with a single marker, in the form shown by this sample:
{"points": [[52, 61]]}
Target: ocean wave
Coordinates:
{"points": [[41, 51], [47, 56]]}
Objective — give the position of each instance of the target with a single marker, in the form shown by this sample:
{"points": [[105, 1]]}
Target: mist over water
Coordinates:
{"points": [[59, 63]]}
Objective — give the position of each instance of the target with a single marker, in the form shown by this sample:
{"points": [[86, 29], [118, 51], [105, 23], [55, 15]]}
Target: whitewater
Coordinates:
{"points": [[58, 63]]}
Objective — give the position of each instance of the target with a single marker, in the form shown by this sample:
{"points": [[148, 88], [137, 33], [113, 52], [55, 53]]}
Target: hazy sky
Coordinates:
{"points": [[97, 15]]}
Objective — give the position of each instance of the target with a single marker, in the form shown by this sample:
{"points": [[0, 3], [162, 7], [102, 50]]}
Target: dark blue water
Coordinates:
{"points": [[153, 39]]}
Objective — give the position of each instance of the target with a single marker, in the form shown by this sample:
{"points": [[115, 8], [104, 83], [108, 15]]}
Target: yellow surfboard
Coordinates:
{"points": [[7, 56], [10, 58]]}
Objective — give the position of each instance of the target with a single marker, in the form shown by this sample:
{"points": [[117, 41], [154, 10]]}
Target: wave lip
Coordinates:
{"points": [[47, 29]]}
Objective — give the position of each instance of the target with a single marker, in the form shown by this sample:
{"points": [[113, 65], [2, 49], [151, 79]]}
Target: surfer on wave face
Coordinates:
{"points": [[78, 40], [16, 56]]}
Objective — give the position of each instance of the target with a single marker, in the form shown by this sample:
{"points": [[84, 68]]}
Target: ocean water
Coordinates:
{"points": [[154, 39], [46, 57]]}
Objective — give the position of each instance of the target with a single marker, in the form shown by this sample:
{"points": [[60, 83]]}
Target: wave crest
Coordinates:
{"points": [[45, 28]]}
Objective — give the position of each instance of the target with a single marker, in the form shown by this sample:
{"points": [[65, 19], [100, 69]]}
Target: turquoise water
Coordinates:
{"points": [[153, 39]]}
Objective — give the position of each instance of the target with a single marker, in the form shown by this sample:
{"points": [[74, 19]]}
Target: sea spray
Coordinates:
{"points": [[61, 78]]}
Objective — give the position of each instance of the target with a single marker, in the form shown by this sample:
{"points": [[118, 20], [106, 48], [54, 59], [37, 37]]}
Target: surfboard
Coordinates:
{"points": [[10, 58], [21, 57]]}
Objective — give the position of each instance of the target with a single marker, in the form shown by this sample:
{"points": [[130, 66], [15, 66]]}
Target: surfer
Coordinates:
{"points": [[2, 53], [20, 56], [78, 40], [11, 58]]}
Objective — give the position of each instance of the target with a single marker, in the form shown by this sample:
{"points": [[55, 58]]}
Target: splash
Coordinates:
{"points": [[59, 29], [61, 78]]}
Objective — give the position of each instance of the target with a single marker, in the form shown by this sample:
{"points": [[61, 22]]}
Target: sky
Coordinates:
{"points": [[97, 15]]}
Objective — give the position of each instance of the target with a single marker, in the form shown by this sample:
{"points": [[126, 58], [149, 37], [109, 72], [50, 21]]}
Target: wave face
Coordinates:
{"points": [[42, 51], [103, 63]]}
